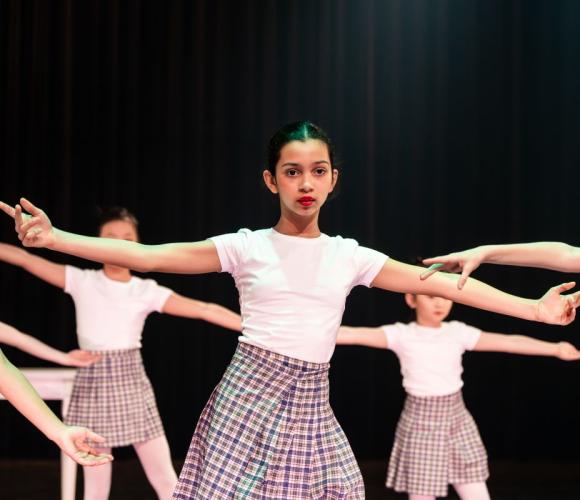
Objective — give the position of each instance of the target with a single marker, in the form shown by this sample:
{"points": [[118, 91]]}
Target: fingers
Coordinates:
{"points": [[7, 209], [434, 260], [564, 287], [29, 207], [433, 268], [464, 275], [94, 437]]}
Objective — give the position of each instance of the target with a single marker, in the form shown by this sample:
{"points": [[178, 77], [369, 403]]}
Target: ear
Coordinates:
{"points": [[334, 179], [411, 300], [270, 181]]}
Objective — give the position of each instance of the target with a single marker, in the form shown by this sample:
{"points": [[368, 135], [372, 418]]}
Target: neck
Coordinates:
{"points": [[305, 227], [117, 273], [428, 323]]}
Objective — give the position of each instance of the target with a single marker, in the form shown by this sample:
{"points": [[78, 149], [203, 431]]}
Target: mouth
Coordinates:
{"points": [[306, 201]]}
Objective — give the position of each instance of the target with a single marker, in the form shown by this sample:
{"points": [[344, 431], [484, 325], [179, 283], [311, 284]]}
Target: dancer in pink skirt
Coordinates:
{"points": [[268, 430]]}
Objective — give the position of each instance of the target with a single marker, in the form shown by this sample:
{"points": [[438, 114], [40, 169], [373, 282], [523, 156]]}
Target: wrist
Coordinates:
{"points": [[54, 238]]}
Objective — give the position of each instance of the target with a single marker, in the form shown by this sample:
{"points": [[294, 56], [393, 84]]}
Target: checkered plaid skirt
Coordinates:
{"points": [[114, 398], [268, 432], [437, 443]]}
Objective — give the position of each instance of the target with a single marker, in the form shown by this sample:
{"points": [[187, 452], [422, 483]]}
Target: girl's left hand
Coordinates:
{"points": [[33, 230], [73, 441], [557, 309], [567, 352]]}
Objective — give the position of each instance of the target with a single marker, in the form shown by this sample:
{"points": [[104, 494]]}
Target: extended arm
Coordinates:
{"points": [[41, 268], [11, 336], [16, 389], [551, 308], [370, 337], [177, 305], [520, 344], [544, 254], [188, 258]]}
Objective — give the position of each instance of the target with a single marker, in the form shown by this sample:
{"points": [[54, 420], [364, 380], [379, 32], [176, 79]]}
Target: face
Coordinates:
{"points": [[304, 177], [431, 311], [119, 230]]}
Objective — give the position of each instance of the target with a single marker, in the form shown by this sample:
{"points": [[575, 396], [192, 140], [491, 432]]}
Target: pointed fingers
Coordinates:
{"points": [[29, 207], [7, 209], [432, 269]]}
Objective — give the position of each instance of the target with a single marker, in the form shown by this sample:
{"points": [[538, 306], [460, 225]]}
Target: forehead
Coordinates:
{"points": [[308, 151], [118, 226]]}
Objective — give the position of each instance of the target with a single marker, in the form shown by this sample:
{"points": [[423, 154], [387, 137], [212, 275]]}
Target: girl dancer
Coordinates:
{"points": [[71, 440], [544, 254], [268, 430], [437, 442], [12, 337], [114, 396]]}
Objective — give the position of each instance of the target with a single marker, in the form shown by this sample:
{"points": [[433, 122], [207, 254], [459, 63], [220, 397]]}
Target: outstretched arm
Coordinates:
{"points": [[544, 254], [41, 268], [520, 344], [177, 305], [551, 308], [36, 230], [11, 336], [72, 440], [370, 337]]}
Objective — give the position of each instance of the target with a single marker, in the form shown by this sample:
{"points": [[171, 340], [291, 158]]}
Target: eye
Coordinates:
{"points": [[292, 172], [319, 171]]}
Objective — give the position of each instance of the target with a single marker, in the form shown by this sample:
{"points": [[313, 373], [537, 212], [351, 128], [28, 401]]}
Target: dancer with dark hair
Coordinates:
{"points": [[114, 397], [268, 430]]}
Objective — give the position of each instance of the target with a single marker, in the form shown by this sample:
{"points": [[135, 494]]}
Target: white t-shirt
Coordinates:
{"points": [[292, 289], [111, 314], [431, 357]]}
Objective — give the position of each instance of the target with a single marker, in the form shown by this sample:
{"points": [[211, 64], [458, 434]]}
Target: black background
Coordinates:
{"points": [[456, 122]]}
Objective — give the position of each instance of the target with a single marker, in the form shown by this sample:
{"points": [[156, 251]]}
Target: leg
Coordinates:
{"points": [[98, 480], [472, 491], [156, 460], [421, 497]]}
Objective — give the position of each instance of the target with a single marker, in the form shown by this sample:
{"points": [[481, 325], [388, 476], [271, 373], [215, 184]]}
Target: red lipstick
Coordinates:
{"points": [[306, 201]]}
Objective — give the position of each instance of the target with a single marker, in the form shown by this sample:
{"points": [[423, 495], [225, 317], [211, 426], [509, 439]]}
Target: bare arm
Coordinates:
{"points": [[177, 305], [370, 337], [544, 254], [11, 336], [188, 258], [41, 268], [520, 344], [551, 308], [16, 389]]}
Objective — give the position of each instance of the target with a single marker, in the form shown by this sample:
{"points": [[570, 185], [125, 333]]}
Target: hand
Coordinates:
{"points": [[33, 230], [465, 262], [72, 441], [80, 358], [567, 352], [557, 309]]}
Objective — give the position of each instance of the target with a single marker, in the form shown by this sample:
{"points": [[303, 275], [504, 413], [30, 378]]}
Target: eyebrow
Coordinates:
{"points": [[294, 164]]}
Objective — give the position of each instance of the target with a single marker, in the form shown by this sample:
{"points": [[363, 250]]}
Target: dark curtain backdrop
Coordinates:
{"points": [[456, 122]]}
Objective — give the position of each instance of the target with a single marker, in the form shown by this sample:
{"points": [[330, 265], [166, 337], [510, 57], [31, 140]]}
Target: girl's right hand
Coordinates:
{"points": [[33, 230], [80, 358], [464, 262], [567, 352], [73, 441]]}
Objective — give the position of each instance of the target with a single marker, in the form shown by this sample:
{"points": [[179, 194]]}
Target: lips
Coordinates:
{"points": [[306, 201]]}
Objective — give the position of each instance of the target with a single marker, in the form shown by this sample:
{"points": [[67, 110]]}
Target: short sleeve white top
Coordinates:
{"points": [[292, 289], [111, 314], [431, 358]]}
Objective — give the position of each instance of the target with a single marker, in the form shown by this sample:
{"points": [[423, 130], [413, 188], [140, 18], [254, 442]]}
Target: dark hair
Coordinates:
{"points": [[296, 131], [110, 214]]}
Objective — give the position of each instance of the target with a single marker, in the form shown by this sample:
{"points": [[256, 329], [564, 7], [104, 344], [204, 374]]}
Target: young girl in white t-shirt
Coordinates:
{"points": [[114, 397], [72, 440], [437, 442], [268, 430]]}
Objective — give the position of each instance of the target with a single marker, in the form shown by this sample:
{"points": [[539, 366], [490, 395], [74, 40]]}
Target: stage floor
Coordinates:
{"points": [[39, 480]]}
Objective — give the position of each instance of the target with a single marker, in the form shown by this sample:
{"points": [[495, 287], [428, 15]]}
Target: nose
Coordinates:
{"points": [[306, 184]]}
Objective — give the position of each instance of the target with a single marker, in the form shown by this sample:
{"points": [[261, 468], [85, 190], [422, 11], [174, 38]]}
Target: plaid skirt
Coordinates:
{"points": [[437, 443], [268, 432], [114, 398]]}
